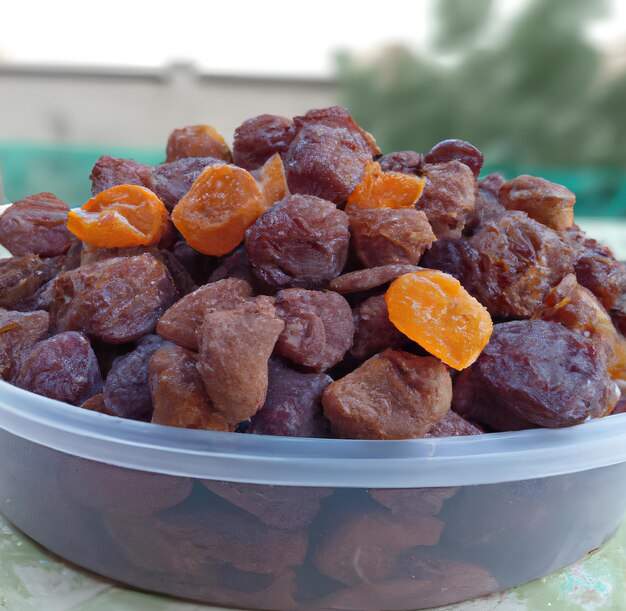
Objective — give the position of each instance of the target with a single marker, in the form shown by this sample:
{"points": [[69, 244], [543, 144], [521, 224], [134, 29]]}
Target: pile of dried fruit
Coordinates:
{"points": [[305, 285]]}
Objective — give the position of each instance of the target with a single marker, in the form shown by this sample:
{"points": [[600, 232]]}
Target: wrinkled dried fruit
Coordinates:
{"points": [[576, 307], [236, 265], [273, 180], [318, 327], [122, 216], [182, 278], [178, 394], [18, 333], [221, 204], [407, 162], [110, 172], [371, 278], [36, 224], [326, 162], [198, 265], [385, 236], [453, 425], [197, 141], [454, 256], [92, 254], [435, 311], [488, 209], [114, 301], [284, 507], [492, 183], [449, 197], [293, 406], [301, 241], [257, 139], [235, 347], [127, 386], [63, 367], [456, 150], [618, 314], [393, 395], [544, 201], [22, 277], [537, 371], [380, 189], [415, 501], [182, 321]]}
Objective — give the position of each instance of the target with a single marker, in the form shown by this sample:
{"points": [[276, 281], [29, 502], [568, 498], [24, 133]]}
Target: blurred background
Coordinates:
{"points": [[538, 85]]}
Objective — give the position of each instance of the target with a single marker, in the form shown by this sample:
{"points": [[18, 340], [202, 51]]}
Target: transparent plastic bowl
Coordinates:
{"points": [[284, 523]]}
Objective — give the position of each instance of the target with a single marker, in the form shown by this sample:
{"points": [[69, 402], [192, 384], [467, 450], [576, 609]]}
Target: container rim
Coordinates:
{"points": [[344, 463]]}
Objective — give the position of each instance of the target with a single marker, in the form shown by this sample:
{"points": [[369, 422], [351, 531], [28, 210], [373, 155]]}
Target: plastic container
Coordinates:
{"points": [[283, 523]]}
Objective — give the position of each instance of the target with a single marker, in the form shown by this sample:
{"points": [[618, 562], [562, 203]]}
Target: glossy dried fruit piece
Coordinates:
{"points": [[96, 404], [456, 150], [393, 395], [380, 189], [413, 501], [257, 139], [18, 333], [178, 394], [435, 311], [36, 224], [114, 301], [110, 172], [22, 277], [453, 425], [371, 278], [198, 266], [544, 201], [127, 386], [318, 327], [407, 162], [63, 367], [449, 197], [488, 208], [365, 547], [385, 236], [197, 141], [93, 254], [302, 241], [577, 308], [273, 180], [221, 204], [537, 371], [122, 216], [326, 162], [235, 347], [293, 406], [283, 507], [182, 321]]}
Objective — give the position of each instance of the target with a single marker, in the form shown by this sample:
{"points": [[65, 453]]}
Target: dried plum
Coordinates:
{"points": [[22, 277], [370, 278], [18, 333], [257, 139], [456, 150], [405, 162], [110, 172]]}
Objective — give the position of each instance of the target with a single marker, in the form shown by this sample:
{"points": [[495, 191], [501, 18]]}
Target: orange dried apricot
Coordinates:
{"points": [[273, 180], [222, 203], [120, 217], [197, 141], [380, 189], [435, 311]]}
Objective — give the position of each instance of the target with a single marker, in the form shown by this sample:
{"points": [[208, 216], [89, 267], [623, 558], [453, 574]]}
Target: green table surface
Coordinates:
{"points": [[32, 579]]}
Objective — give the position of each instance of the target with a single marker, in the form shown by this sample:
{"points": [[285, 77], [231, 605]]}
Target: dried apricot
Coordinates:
{"points": [[197, 141], [122, 216], [273, 180], [380, 189], [221, 204], [434, 310]]}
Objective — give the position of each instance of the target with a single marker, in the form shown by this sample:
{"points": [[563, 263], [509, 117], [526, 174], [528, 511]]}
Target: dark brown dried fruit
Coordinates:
{"points": [[449, 197], [373, 331], [171, 181], [293, 406], [18, 334], [181, 277], [196, 141], [235, 347], [110, 172], [618, 314], [492, 183], [93, 254], [326, 162], [318, 327], [393, 395], [114, 301], [22, 277], [301, 241], [453, 425], [488, 208], [536, 371], [371, 278], [236, 265], [72, 258], [257, 139], [182, 321], [36, 224], [405, 162], [414, 501], [127, 386], [456, 150], [384, 236], [63, 367], [284, 507], [178, 394], [544, 201], [198, 265], [456, 257]]}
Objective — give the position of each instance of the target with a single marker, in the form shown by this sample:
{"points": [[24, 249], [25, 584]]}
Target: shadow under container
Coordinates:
{"points": [[284, 523]]}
